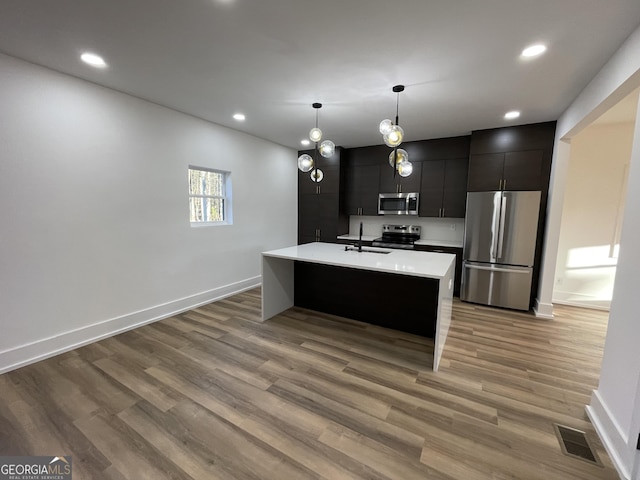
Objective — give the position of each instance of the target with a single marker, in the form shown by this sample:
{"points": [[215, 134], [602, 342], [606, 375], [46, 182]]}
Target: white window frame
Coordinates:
{"points": [[225, 197]]}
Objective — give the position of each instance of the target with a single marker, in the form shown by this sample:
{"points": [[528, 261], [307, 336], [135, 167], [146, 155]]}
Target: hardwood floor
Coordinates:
{"points": [[212, 393]]}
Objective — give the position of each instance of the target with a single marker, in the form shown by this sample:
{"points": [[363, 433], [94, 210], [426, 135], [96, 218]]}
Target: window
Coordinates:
{"points": [[209, 195]]}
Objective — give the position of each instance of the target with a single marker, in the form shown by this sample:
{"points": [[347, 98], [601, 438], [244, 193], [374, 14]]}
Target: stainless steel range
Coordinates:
{"points": [[398, 236]]}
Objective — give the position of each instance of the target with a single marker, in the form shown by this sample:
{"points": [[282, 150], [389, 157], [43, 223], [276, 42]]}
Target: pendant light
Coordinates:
{"points": [[327, 148], [392, 135]]}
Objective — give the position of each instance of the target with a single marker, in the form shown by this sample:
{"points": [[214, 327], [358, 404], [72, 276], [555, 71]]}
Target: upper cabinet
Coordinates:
{"points": [[439, 175], [443, 187], [330, 168], [524, 170], [390, 183], [512, 158], [362, 175], [443, 190], [506, 171]]}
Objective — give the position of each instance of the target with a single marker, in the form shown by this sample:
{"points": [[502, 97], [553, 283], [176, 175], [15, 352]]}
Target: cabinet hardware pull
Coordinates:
{"points": [[504, 184], [443, 211]]}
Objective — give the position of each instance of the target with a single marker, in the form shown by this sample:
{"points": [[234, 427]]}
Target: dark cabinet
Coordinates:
{"points": [[390, 183], [443, 188], [458, 268], [362, 188], [330, 182], [485, 172], [319, 203], [511, 158], [506, 171], [523, 170], [318, 218]]}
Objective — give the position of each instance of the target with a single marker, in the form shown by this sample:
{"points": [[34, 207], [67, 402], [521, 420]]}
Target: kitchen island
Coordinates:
{"points": [[406, 290]]}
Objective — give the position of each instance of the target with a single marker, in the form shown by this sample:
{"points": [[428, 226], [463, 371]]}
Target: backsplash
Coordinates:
{"points": [[445, 229]]}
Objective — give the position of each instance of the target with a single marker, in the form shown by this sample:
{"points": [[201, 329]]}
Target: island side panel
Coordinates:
{"points": [[277, 286], [445, 307], [402, 302]]}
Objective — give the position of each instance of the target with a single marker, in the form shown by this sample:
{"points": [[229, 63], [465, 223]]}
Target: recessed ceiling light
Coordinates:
{"points": [[534, 50], [93, 60], [511, 115], [239, 116], [305, 142]]}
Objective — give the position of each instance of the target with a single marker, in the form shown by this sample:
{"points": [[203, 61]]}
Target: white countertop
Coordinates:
{"points": [[439, 243], [405, 262], [431, 243]]}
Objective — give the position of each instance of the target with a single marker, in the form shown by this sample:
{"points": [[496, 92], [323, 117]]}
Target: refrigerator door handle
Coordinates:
{"points": [[495, 269], [503, 207], [496, 225]]}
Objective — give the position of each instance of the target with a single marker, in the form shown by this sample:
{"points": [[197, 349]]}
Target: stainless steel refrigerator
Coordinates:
{"points": [[499, 248]]}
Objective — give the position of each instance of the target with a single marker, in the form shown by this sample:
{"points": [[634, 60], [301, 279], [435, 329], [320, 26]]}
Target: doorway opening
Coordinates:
{"points": [[592, 212]]}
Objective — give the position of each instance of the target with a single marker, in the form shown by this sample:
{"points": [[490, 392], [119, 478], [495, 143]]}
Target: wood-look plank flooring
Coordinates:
{"points": [[215, 394]]}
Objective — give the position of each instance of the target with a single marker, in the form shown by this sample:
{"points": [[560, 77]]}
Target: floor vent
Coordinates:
{"points": [[575, 444]]}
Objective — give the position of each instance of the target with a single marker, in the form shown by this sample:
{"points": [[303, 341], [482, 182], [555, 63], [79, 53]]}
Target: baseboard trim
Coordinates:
{"points": [[610, 433], [48, 347], [543, 310], [581, 305]]}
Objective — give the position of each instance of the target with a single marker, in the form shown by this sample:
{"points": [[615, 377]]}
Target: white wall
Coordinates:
{"points": [[615, 404], [591, 215], [95, 234]]}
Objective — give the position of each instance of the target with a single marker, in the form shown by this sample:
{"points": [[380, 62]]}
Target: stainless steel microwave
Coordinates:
{"points": [[398, 203]]}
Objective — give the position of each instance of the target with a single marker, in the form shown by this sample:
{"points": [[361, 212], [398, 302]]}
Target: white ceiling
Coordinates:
{"points": [[270, 59]]}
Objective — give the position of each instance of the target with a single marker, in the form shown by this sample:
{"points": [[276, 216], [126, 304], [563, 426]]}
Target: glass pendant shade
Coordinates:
{"points": [[405, 169], [315, 134], [400, 156], [305, 162], [317, 175], [327, 148], [385, 126], [394, 137]]}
